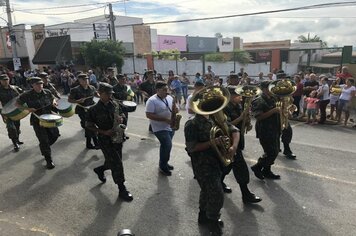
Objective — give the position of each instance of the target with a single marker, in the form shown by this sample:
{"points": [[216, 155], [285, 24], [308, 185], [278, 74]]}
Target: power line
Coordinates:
{"points": [[69, 6], [59, 14], [309, 7]]}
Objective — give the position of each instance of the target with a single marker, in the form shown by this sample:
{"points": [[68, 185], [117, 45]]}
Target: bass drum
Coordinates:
{"points": [[65, 108], [12, 112], [129, 106], [50, 121]]}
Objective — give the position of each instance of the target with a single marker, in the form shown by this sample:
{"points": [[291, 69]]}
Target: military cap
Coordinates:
{"points": [[105, 88], [110, 68], [4, 77], [233, 76], [43, 75], [120, 76], [36, 80], [280, 74], [232, 90], [82, 76], [264, 84]]}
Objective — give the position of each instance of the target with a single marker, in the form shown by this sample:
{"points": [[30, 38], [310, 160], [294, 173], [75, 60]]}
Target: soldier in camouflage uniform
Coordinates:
{"points": [[100, 119], [40, 101], [47, 85], [7, 93], [234, 115], [83, 95], [268, 131], [110, 77], [120, 92], [207, 169]]}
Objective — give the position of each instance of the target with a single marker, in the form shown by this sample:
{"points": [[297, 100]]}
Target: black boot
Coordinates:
{"points": [[288, 152], [268, 174], [124, 194], [88, 144], [215, 228], [226, 188], [257, 169], [50, 165], [203, 220], [247, 196], [16, 145], [101, 175], [96, 143]]}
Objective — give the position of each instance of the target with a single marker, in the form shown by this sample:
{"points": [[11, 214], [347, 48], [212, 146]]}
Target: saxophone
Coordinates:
{"points": [[175, 116], [118, 127]]}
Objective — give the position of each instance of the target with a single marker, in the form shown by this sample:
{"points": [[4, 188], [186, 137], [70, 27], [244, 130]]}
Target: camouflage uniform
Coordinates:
{"points": [[268, 131], [43, 102], [13, 127], [77, 93], [206, 166], [102, 116], [239, 166]]}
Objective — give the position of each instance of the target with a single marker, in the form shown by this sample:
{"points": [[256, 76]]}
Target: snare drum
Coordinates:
{"points": [[65, 108], [12, 112], [129, 106], [50, 120]]}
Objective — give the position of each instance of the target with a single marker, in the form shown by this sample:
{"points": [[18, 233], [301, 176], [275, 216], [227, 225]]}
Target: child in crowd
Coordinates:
{"points": [[311, 107]]}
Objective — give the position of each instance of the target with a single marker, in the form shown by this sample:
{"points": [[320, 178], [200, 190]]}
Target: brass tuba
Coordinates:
{"points": [[248, 92], [283, 89], [211, 101]]}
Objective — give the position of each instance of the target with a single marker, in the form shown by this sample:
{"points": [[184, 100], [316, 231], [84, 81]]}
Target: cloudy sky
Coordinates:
{"points": [[335, 25]]}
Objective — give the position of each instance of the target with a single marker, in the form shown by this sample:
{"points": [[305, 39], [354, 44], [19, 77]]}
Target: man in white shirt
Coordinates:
{"points": [[324, 98], [159, 109]]}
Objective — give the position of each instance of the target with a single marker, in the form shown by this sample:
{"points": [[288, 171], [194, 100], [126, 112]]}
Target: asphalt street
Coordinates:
{"points": [[315, 196]]}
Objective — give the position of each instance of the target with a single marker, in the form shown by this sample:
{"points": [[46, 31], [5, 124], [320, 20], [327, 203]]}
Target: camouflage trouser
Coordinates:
{"points": [[287, 134], [113, 159], [13, 129], [208, 175], [270, 145], [46, 137], [239, 168]]}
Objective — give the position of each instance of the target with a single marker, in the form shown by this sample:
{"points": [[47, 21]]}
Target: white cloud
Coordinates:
{"points": [[278, 26]]}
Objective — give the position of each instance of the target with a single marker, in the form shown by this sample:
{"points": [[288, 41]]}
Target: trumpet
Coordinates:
{"points": [[248, 92]]}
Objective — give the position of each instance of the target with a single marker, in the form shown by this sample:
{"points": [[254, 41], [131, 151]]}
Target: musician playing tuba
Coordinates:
{"points": [[206, 137], [235, 116]]}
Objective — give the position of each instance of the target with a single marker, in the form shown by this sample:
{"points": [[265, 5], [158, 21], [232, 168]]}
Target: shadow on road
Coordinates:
{"points": [[106, 213], [159, 215]]}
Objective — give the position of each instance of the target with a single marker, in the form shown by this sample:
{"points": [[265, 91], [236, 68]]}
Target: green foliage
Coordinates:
{"points": [[241, 56], [168, 54], [308, 39], [103, 54], [218, 57]]}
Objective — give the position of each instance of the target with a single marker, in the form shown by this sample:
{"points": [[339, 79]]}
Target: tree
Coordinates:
{"points": [[218, 35], [103, 54], [309, 39], [241, 56]]}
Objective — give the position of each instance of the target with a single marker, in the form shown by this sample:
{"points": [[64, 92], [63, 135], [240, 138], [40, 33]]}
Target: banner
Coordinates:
{"points": [[225, 44], [172, 42], [202, 44]]}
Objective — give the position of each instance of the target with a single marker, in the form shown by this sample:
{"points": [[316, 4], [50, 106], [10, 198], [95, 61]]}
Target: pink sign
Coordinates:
{"points": [[172, 42]]}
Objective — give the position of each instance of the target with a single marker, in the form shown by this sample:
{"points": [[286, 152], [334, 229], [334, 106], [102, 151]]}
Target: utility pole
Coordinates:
{"points": [[11, 32], [112, 22]]}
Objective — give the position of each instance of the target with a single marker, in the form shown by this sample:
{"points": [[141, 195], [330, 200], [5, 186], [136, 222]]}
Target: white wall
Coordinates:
{"points": [[30, 48], [193, 66]]}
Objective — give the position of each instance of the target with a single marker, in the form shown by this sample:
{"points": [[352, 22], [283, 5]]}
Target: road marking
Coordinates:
{"points": [[254, 161], [23, 227]]}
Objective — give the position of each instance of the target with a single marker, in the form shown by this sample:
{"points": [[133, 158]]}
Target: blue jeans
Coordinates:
{"points": [[165, 139]]}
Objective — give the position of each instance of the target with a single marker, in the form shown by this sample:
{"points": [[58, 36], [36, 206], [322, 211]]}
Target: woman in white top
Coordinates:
{"points": [[324, 98], [348, 91]]}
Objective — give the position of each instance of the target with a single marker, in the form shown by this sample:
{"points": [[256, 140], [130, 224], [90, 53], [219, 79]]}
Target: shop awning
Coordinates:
{"points": [[54, 50]]}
